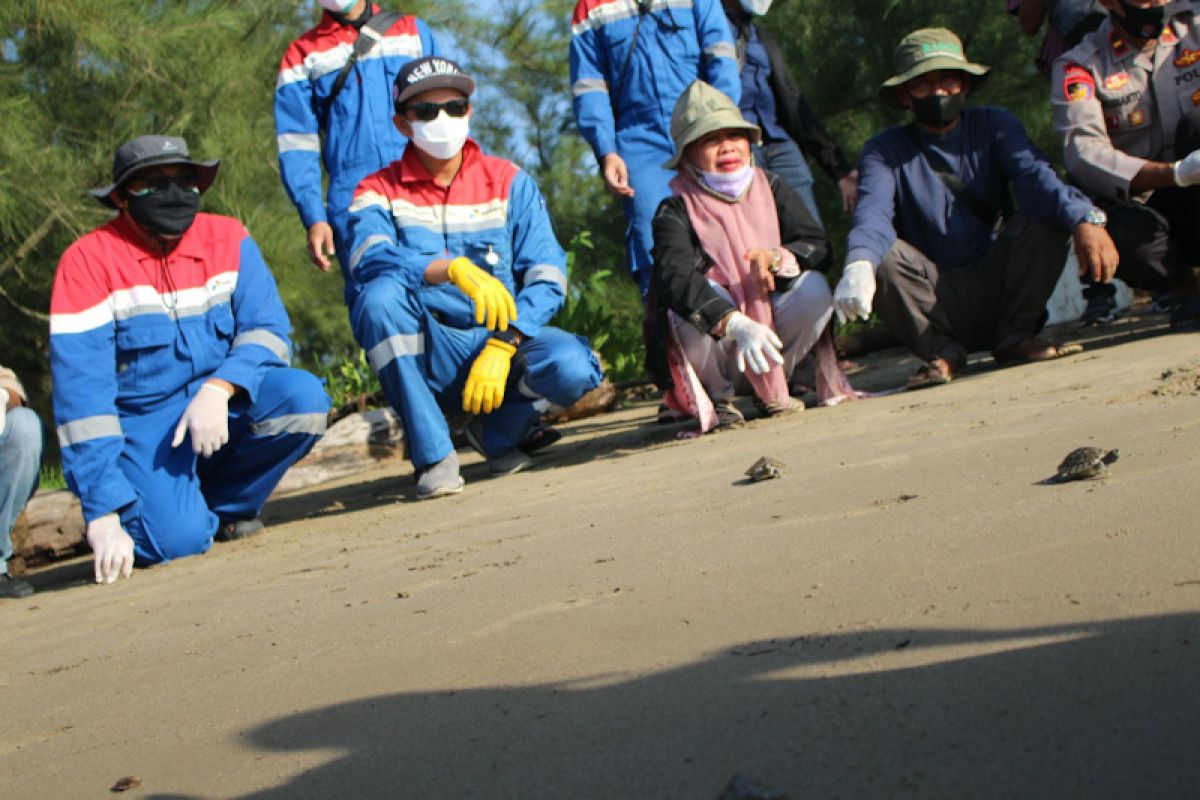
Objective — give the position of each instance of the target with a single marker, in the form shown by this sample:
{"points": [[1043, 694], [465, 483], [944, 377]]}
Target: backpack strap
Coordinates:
{"points": [[949, 178], [368, 36]]}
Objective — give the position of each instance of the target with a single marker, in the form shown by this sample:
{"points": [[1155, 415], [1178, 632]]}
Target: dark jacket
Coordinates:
{"points": [[679, 282], [795, 115]]}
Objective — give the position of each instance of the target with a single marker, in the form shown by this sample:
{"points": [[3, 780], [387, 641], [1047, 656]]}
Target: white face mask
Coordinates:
{"points": [[338, 6], [728, 184], [756, 8], [443, 136]]}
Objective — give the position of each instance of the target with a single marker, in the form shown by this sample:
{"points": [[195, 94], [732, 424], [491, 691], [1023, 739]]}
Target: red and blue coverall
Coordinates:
{"points": [[358, 131], [133, 336], [421, 339], [630, 62]]}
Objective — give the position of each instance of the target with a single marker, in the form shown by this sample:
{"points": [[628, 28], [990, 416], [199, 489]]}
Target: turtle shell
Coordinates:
{"points": [[764, 469], [1085, 462]]}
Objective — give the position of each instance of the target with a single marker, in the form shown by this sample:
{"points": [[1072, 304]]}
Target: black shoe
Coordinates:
{"points": [[234, 529], [1100, 309], [539, 438], [1187, 313], [14, 587]]}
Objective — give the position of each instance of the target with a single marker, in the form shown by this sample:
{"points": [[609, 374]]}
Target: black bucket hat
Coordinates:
{"points": [[146, 151]]}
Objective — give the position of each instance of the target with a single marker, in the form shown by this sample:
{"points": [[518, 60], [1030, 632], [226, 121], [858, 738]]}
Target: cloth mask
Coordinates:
{"points": [[938, 110], [338, 6], [729, 185], [443, 136], [1144, 23], [169, 212], [756, 8]]}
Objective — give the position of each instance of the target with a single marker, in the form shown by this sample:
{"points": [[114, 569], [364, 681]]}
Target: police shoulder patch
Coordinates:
{"points": [[1078, 83], [1187, 58]]}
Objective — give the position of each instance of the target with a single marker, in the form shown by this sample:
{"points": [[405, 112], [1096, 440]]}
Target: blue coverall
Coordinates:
{"points": [[358, 131], [133, 336], [422, 339], [630, 62]]}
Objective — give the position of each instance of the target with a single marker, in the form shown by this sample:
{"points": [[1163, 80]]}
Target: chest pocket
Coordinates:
{"points": [[145, 355], [491, 255], [216, 339]]}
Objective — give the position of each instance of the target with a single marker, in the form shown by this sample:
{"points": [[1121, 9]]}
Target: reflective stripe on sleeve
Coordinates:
{"points": [[545, 273], [287, 142], [83, 430], [265, 339], [585, 85], [722, 50], [372, 240]]}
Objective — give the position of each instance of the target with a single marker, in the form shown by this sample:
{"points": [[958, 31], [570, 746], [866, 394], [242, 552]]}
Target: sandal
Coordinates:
{"points": [[777, 408], [539, 438], [728, 415], [936, 372], [1035, 349], [666, 415]]}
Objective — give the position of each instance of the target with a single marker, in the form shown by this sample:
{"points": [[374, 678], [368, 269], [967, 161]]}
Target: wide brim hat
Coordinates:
{"points": [[431, 72], [700, 110], [928, 50], [148, 151]]}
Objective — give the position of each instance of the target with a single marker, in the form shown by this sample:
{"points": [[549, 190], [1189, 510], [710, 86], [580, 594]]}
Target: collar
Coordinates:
{"points": [[411, 170], [329, 23], [1121, 48], [191, 245]]}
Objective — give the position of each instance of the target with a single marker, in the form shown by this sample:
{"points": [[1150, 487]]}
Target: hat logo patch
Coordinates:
{"points": [[431, 68]]}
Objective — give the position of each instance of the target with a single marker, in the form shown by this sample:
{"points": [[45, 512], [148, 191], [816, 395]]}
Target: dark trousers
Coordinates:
{"points": [[994, 305], [1158, 241]]}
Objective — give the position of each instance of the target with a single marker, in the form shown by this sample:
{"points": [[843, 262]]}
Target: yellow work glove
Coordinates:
{"points": [[484, 391], [492, 301]]}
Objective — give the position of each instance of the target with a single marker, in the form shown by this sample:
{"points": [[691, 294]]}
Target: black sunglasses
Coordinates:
{"points": [[427, 112], [189, 182]]}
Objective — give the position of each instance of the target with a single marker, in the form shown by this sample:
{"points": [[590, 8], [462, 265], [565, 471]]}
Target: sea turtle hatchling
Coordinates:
{"points": [[1084, 462], [765, 469]]}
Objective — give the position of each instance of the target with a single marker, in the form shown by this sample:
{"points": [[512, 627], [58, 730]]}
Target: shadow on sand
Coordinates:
{"points": [[1108, 709]]}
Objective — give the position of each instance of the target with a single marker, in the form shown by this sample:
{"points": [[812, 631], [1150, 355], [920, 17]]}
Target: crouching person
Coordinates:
{"points": [[457, 275], [737, 266], [177, 412]]}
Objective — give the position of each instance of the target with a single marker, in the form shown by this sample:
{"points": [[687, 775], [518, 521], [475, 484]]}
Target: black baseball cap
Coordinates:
{"points": [[145, 151], [430, 72]]}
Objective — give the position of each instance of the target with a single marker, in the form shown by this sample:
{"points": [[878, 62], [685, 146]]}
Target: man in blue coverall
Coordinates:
{"points": [[356, 123], [457, 273], [630, 62], [166, 327], [958, 268]]}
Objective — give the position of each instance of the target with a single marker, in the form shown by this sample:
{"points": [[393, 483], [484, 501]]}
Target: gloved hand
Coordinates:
{"points": [[492, 301], [757, 345], [855, 291], [3, 409], [112, 547], [207, 419], [1187, 169], [484, 391]]}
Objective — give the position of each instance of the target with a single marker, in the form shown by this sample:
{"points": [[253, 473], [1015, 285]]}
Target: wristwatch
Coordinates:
{"points": [[1096, 217], [776, 260]]}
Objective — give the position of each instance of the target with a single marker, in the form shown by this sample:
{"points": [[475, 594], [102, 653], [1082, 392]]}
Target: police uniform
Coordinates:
{"points": [[1116, 108]]}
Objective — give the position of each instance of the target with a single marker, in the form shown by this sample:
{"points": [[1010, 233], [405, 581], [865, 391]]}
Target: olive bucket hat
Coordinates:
{"points": [[927, 50], [700, 110]]}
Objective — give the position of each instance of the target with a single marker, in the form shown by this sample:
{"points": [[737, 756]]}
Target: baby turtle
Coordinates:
{"points": [[765, 469], [1085, 462]]}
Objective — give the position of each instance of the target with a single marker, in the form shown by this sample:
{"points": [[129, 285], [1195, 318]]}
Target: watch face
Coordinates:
{"points": [[1096, 217]]}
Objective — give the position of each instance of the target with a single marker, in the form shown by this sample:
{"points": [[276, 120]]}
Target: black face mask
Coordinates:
{"points": [[1144, 23], [167, 212], [938, 110]]}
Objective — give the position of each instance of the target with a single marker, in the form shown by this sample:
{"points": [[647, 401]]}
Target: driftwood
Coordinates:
{"points": [[54, 529], [597, 401], [354, 443]]}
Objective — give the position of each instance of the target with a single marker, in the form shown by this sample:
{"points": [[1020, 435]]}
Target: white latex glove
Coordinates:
{"points": [[757, 345], [207, 419], [1187, 169], [855, 291], [3, 409], [112, 547]]}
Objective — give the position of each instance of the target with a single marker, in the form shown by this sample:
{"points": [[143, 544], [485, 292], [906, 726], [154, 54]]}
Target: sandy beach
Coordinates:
{"points": [[909, 611]]}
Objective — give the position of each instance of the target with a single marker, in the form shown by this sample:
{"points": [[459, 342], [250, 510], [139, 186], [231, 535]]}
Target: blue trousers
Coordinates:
{"points": [[20, 459], [644, 150], [785, 159], [423, 363], [182, 496]]}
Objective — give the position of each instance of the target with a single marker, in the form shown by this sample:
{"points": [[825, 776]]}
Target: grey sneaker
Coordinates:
{"points": [[14, 588], [512, 461], [440, 479]]}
